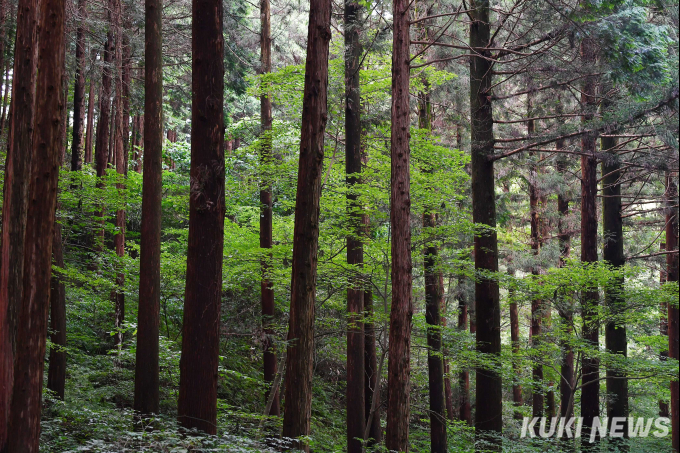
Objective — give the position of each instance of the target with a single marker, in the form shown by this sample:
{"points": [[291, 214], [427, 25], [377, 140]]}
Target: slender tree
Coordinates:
{"points": [[373, 432], [79, 90], [489, 399], [47, 139], [433, 317], [89, 129], [615, 330], [146, 369], [590, 393], [355, 255], [464, 407], [299, 358], [56, 374], [267, 290], [15, 201], [197, 406]]}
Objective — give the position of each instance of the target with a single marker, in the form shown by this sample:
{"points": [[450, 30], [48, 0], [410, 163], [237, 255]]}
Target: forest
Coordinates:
{"points": [[360, 226]]}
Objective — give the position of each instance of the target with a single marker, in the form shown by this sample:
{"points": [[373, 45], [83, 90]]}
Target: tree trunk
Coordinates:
{"points": [[672, 273], [146, 370], [90, 114], [372, 379], [56, 375], [197, 407], [537, 397], [590, 393], [119, 151], [399, 367], [355, 254], [464, 407], [615, 330], [514, 338], [79, 90], [17, 172], [32, 331], [300, 355], [433, 318], [266, 286], [5, 100], [489, 405]]}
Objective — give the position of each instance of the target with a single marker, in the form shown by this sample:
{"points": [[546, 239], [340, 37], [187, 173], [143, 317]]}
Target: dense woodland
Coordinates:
{"points": [[366, 226]]}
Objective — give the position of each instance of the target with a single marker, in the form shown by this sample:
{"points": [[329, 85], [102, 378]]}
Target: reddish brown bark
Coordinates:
{"points": [[489, 401], [15, 201], [590, 393], [32, 328], [56, 375], [664, 408], [399, 367], [299, 360], [79, 90], [146, 370], [672, 274], [266, 287], [355, 412], [197, 406]]}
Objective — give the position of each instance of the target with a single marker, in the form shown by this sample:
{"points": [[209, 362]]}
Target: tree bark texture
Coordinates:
{"points": [[590, 393], [300, 352], [44, 175], [489, 406], [197, 406], [146, 370], [355, 254], [56, 374], [89, 129], [17, 172], [399, 367]]}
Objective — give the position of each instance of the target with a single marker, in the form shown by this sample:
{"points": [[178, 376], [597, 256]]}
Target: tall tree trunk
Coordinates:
{"points": [[355, 254], [672, 273], [5, 99], [433, 318], [119, 150], [537, 397], [197, 407], [615, 330], [514, 339], [102, 142], [17, 172], [300, 355], [266, 286], [32, 327], [56, 375], [565, 312], [3, 37], [146, 370], [590, 393], [372, 379], [489, 405], [90, 113], [399, 367], [464, 406], [79, 90]]}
